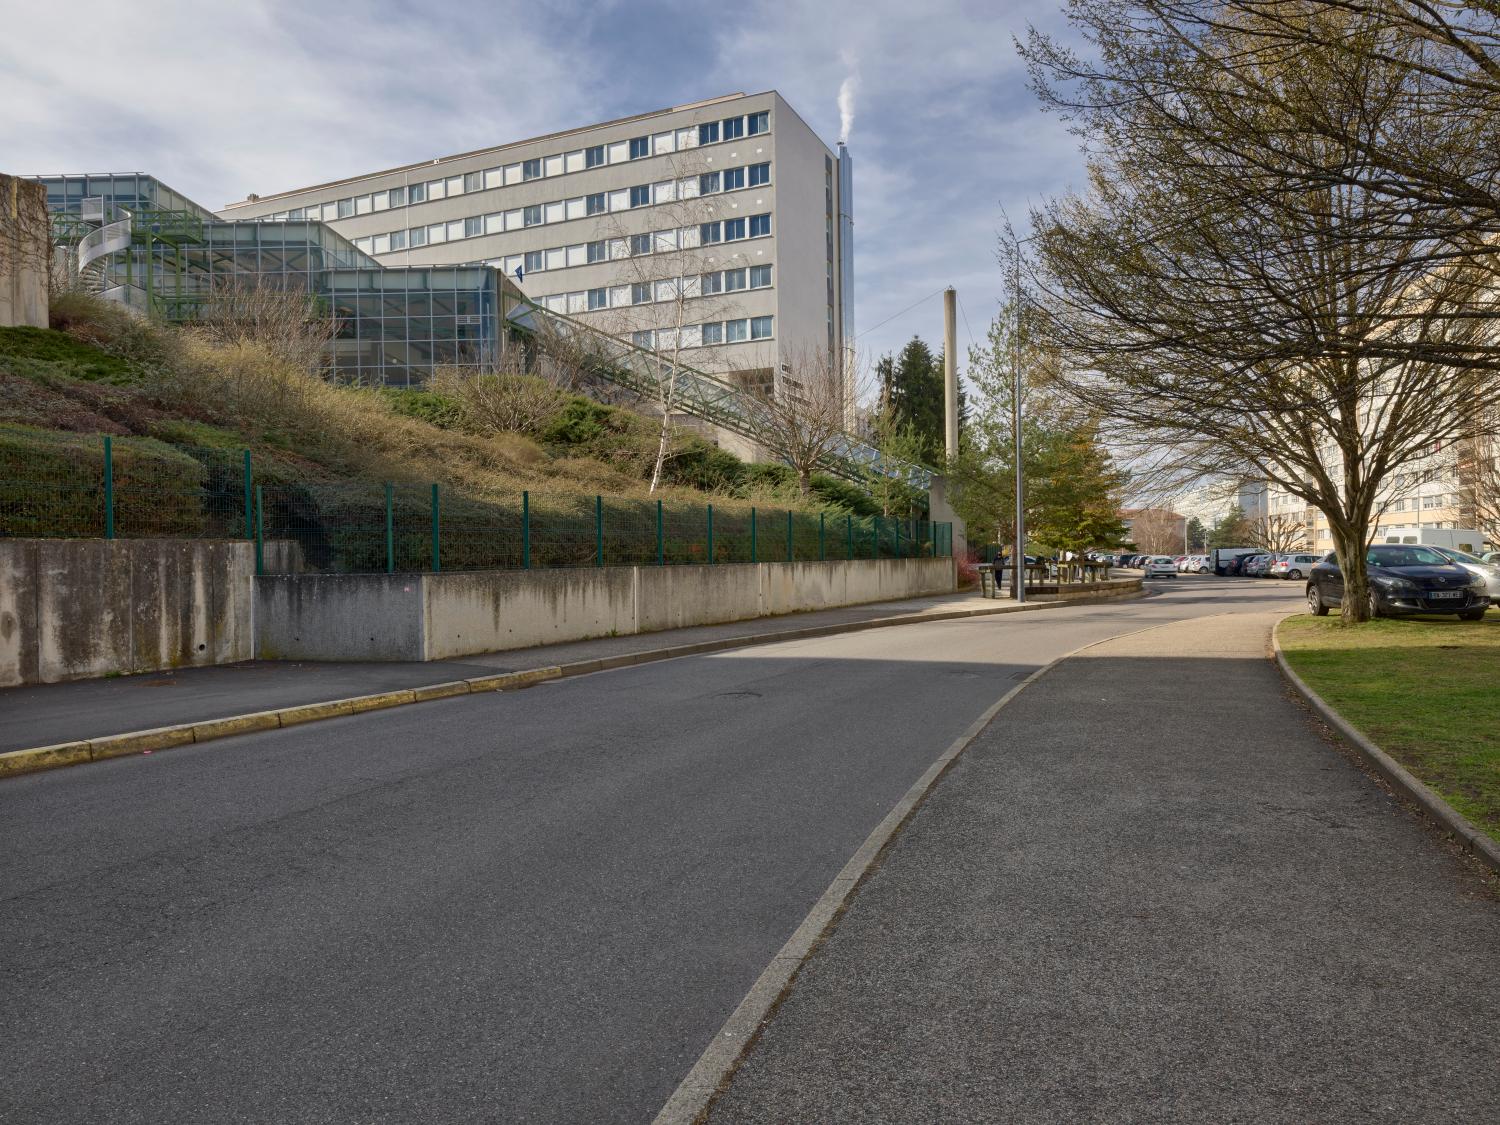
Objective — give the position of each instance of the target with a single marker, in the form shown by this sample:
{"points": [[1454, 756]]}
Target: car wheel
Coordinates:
{"points": [[1471, 615], [1295, 576], [1315, 602]]}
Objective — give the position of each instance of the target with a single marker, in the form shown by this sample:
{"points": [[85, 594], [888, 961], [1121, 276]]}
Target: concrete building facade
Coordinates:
{"points": [[721, 229]]}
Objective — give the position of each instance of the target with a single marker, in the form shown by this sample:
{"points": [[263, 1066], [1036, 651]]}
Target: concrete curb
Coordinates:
{"points": [[695, 1094], [1393, 771], [16, 762]]}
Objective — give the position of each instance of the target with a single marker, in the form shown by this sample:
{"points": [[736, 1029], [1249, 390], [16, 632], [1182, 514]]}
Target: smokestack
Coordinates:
{"points": [[950, 372]]}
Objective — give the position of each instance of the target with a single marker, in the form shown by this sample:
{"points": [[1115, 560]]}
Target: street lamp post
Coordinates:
{"points": [[1018, 555]]}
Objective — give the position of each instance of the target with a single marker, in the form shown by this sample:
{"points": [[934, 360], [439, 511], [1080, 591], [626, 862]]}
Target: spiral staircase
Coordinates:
{"points": [[109, 230]]}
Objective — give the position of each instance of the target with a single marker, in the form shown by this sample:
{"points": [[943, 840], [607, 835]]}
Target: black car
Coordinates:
{"points": [[1403, 579]]}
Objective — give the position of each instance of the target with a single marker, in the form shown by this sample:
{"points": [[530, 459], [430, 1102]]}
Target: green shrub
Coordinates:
{"points": [[697, 464], [63, 354], [432, 407], [843, 494]]}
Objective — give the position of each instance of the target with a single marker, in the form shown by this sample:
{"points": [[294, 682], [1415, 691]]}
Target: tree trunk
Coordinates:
{"points": [[804, 481], [1350, 544]]}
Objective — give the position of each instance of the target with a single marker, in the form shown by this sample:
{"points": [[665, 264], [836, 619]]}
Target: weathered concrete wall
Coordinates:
{"points": [[25, 252], [339, 617], [76, 608], [489, 611], [440, 616]]}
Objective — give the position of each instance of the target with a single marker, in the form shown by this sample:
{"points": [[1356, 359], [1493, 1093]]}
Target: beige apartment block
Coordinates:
{"points": [[722, 228]]}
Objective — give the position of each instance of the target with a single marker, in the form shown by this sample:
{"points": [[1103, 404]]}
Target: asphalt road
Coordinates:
{"points": [[530, 906]]}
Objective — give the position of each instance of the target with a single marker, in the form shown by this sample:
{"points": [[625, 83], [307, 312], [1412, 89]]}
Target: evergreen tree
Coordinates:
{"points": [[911, 395]]}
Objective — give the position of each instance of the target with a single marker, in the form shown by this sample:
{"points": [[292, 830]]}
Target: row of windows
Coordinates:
{"points": [[706, 335], [564, 210], [663, 289], [1420, 502], [541, 167]]}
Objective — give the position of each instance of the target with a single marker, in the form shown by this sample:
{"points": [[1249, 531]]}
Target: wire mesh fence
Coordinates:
{"points": [[77, 485]]}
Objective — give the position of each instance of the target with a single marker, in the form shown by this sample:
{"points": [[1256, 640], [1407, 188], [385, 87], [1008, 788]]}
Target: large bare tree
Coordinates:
{"points": [[802, 415], [1240, 284]]}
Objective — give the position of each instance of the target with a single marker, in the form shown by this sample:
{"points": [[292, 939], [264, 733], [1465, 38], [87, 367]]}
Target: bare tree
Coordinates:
{"points": [[1156, 531], [1213, 294], [1279, 532], [671, 283], [803, 414]]}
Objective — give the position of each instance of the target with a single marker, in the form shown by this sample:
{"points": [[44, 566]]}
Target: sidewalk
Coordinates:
{"points": [[1149, 891], [47, 714]]}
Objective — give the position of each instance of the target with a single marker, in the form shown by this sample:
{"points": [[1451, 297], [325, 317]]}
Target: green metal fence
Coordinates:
{"points": [[76, 485]]}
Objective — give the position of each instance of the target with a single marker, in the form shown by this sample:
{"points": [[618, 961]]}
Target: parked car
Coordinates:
{"points": [[1293, 566], [1475, 565], [1160, 566], [1254, 566], [1491, 557], [1225, 560], [1403, 579]]}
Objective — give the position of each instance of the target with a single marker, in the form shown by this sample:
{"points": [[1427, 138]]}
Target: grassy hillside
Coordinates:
{"points": [[181, 409]]}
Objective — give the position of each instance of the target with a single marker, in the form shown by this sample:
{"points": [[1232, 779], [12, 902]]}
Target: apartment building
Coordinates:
{"points": [[721, 230]]}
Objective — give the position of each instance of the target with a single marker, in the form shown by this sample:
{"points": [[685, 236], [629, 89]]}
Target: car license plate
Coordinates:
{"points": [[1445, 593]]}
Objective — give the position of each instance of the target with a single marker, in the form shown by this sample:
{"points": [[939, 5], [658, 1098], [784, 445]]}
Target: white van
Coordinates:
{"points": [[1457, 538]]}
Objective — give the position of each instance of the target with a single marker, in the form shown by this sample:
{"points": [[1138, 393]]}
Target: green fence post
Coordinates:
{"points": [[710, 533], [821, 555], [598, 530], [249, 519], [437, 547], [390, 528], [752, 534], [661, 556], [109, 489], [849, 538], [789, 535], [260, 531], [526, 530]]}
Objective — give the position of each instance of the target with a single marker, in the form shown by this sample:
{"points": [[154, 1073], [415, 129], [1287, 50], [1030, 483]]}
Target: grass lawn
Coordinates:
{"points": [[1425, 690]]}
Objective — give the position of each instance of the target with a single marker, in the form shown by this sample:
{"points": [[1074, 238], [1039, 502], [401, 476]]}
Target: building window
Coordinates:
{"points": [[713, 333], [398, 197], [709, 232], [640, 195], [531, 169], [639, 147], [708, 183], [708, 133], [711, 283], [473, 226], [473, 181], [598, 251], [734, 179], [598, 299], [734, 229], [417, 193], [760, 277], [641, 339], [534, 260], [398, 240], [640, 293], [760, 225], [640, 244], [593, 156], [760, 122], [418, 236], [346, 208], [760, 327], [734, 280], [594, 204], [760, 174], [736, 330], [532, 216], [733, 127]]}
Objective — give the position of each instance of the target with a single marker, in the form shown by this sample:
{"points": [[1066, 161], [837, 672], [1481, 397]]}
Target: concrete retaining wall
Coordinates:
{"points": [[440, 616], [76, 608]]}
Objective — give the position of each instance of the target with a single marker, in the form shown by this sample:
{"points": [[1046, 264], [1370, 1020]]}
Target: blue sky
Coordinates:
{"points": [[220, 99]]}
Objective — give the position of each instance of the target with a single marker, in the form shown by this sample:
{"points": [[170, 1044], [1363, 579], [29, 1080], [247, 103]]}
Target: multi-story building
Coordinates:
{"points": [[721, 230]]}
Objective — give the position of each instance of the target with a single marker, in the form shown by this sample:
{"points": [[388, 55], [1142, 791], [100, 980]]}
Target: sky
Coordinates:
{"points": [[221, 98]]}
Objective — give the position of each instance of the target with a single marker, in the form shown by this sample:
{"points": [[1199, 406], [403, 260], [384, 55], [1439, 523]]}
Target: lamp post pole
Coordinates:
{"points": [[1018, 556]]}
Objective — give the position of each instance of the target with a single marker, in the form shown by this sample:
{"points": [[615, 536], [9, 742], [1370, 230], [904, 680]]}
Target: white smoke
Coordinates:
{"points": [[847, 89]]}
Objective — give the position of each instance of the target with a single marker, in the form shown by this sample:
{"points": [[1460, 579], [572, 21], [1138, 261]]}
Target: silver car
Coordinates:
{"points": [[1490, 572]]}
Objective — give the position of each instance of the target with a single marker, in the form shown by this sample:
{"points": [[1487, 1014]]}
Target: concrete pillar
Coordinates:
{"points": [[950, 372]]}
